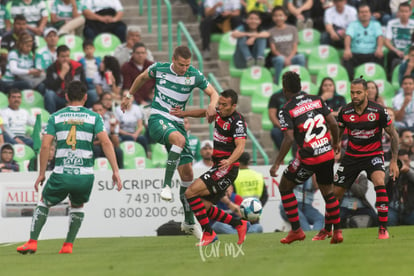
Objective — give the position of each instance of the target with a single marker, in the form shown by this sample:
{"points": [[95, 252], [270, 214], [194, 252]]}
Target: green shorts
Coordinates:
{"points": [[59, 186], [160, 128]]}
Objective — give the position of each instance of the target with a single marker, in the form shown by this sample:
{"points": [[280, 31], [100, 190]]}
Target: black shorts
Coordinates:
{"points": [[217, 181], [299, 172], [351, 167]]}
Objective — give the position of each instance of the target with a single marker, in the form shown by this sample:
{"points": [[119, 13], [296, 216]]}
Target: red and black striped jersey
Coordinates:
{"points": [[305, 115], [226, 131], [365, 130]]}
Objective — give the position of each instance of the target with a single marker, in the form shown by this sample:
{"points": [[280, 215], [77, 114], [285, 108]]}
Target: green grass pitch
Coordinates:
{"points": [[361, 253]]}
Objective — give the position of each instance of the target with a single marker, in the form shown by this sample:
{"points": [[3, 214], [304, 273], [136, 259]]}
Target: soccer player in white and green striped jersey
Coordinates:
{"points": [[174, 83], [74, 128]]}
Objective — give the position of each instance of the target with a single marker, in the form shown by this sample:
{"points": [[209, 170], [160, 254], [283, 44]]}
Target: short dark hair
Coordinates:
{"points": [[363, 4], [76, 90], [404, 4], [244, 158], [230, 93], [360, 80], [407, 77], [402, 131], [182, 51], [7, 146], [13, 91], [62, 49], [86, 43], [291, 82], [20, 17], [279, 8], [138, 45]]}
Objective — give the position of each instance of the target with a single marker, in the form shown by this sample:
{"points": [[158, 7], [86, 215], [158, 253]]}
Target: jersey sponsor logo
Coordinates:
{"points": [[371, 117], [362, 133], [377, 160], [319, 143], [223, 183], [221, 138], [297, 111], [352, 118]]}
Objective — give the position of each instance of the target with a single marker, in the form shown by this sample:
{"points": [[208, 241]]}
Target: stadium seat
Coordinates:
{"points": [[343, 88], [132, 149], [370, 71], [386, 91], [395, 77], [234, 72], [227, 46], [308, 39], [300, 70], [23, 152], [44, 114], [32, 98], [252, 78], [4, 102], [266, 123], [320, 57], [333, 70], [309, 87], [101, 164], [260, 99], [159, 155], [73, 42], [138, 163], [23, 165], [105, 44]]}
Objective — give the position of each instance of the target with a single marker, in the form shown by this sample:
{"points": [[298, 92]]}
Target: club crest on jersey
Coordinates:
{"points": [[371, 117], [187, 80], [226, 126]]}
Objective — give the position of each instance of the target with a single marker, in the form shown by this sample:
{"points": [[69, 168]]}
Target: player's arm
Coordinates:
{"points": [[394, 171], [284, 149], [47, 141], [138, 83], [195, 113], [211, 109], [109, 151], [333, 127], [235, 155]]}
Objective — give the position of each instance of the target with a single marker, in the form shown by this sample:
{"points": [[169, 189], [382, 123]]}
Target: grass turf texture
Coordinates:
{"points": [[361, 253]]}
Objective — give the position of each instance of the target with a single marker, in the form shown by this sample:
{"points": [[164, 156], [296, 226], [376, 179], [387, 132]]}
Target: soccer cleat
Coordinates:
{"points": [[66, 248], [383, 233], [322, 235], [337, 236], [297, 235], [28, 247], [166, 193], [193, 229], [241, 231], [207, 238]]}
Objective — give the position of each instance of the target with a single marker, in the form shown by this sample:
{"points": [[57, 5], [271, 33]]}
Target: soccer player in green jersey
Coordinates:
{"points": [[174, 84], [74, 128]]}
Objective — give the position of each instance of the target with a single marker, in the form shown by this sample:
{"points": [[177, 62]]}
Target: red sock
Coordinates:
{"points": [[200, 213], [290, 204], [382, 205], [219, 215]]}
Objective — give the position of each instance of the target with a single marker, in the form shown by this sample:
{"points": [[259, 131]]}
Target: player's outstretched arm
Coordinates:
{"points": [[109, 151], [195, 113], [138, 82], [284, 149], [47, 141], [211, 109], [394, 171]]}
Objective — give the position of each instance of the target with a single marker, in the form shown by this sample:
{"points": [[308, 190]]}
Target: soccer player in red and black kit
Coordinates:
{"points": [[364, 121], [229, 142], [307, 120]]}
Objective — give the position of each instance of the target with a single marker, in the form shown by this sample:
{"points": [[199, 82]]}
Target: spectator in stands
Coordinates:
{"points": [[333, 100], [47, 55], [206, 152], [318, 12], [276, 102], [193, 141], [112, 128], [123, 52], [50, 161], [131, 69], [58, 75], [398, 36], [373, 93], [355, 209], [250, 183], [380, 10], [103, 16], [131, 123], [5, 25], [108, 78], [403, 103], [66, 16], [283, 42], [310, 218], [34, 11], [7, 163], [337, 19], [407, 66], [251, 42], [401, 191], [16, 119], [219, 17], [263, 8], [300, 13], [90, 63], [363, 41], [395, 4], [20, 70]]}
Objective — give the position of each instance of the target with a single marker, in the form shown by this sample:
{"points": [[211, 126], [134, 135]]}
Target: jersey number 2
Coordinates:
{"points": [[312, 123], [71, 139]]}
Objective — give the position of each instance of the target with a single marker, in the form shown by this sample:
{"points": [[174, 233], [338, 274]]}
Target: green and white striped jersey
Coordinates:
{"points": [[63, 10], [33, 11], [23, 63], [172, 90], [75, 128], [44, 58], [399, 34]]}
